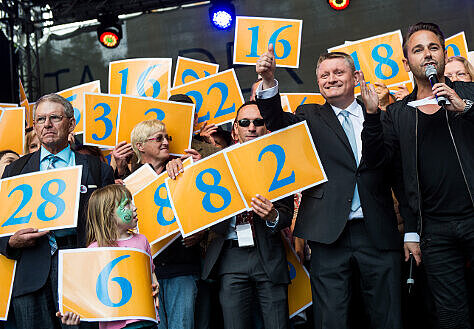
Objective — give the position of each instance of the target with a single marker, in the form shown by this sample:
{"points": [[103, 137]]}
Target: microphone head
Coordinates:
{"points": [[430, 70]]}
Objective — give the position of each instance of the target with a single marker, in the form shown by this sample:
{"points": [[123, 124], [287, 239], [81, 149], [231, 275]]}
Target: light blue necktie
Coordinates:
{"points": [[349, 130], [52, 240]]}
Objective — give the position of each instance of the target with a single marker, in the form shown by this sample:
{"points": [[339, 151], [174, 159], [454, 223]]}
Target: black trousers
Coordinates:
{"points": [[447, 248], [333, 266], [242, 282]]}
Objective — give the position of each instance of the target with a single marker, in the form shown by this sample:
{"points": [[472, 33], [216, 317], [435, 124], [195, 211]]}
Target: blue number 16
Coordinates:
{"points": [[273, 39], [141, 82]]}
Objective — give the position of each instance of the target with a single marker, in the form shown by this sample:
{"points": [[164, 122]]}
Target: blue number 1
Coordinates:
{"points": [[280, 156]]}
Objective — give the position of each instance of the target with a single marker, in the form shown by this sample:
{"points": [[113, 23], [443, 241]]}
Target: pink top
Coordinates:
{"points": [[138, 241]]}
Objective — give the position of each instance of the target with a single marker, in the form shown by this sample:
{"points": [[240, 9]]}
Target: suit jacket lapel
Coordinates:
{"points": [[82, 160], [328, 115], [33, 163]]}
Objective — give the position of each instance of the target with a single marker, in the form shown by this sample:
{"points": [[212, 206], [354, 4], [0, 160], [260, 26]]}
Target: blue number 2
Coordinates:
{"points": [[27, 191], [213, 189], [455, 49], [101, 286], [193, 74], [162, 203], [280, 156], [160, 115]]}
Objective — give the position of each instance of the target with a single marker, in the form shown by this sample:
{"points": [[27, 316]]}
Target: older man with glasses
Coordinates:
{"points": [[34, 301]]}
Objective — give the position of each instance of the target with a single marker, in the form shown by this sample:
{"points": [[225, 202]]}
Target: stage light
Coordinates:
{"points": [[338, 4], [109, 31], [222, 14]]}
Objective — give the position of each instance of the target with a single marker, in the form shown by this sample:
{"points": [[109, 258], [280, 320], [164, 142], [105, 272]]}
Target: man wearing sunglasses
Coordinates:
{"points": [[349, 221], [247, 254]]}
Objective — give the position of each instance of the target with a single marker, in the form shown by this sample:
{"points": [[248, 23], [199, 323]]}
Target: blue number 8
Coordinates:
{"points": [[213, 189], [101, 286], [162, 203], [107, 123], [52, 198], [384, 60]]}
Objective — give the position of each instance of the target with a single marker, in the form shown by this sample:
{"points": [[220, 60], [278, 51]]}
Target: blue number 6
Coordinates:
{"points": [[101, 286], [280, 156]]}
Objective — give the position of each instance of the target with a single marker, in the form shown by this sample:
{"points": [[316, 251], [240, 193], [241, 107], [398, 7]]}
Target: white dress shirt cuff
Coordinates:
{"points": [[267, 93], [411, 237]]}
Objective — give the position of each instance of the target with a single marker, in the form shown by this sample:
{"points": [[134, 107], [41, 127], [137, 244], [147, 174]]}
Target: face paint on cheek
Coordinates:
{"points": [[123, 213]]}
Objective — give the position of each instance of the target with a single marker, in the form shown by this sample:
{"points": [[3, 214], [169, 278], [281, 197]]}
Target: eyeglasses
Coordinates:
{"points": [[52, 118], [246, 122], [160, 138], [460, 75]]}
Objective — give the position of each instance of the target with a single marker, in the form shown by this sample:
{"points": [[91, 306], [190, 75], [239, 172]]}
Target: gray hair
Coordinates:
{"points": [[55, 98]]}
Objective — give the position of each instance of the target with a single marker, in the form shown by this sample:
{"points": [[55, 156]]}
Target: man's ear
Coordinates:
{"points": [[72, 124], [405, 64]]}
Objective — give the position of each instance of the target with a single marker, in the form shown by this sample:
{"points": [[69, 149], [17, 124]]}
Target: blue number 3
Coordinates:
{"points": [[101, 287], [280, 156], [41, 211]]}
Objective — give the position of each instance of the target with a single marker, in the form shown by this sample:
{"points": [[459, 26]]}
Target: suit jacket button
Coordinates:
{"points": [[349, 200]]}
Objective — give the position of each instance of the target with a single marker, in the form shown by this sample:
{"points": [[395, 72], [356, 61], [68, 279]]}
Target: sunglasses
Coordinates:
{"points": [[246, 122], [160, 138]]}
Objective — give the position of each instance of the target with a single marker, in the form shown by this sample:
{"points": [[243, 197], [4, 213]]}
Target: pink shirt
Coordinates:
{"points": [[138, 241]]}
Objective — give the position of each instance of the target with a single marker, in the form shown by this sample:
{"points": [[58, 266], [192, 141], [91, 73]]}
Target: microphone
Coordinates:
{"points": [[410, 280], [430, 73]]}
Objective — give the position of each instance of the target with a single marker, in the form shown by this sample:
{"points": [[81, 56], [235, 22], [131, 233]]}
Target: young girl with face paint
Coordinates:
{"points": [[111, 219]]}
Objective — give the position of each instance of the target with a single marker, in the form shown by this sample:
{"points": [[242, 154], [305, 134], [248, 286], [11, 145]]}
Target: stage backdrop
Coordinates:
{"points": [[78, 58]]}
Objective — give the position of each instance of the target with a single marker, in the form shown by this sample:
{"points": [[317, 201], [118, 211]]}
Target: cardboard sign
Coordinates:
{"points": [[277, 164], [299, 290], [204, 195], [456, 45], [217, 97], [100, 119], [12, 129], [139, 179], [156, 219], [158, 247], [46, 200], [254, 34], [379, 57], [177, 117], [409, 85], [145, 77], [7, 273], [188, 70], [7, 105], [115, 286], [26, 105], [297, 99], [75, 95]]}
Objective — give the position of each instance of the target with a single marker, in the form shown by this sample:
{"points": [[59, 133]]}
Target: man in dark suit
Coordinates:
{"points": [[257, 270], [349, 221], [34, 301]]}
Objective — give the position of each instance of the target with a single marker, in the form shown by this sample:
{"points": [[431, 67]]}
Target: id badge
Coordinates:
{"points": [[244, 235]]}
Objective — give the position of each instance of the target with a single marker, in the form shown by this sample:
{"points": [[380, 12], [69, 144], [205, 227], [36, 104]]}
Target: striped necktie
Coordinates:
{"points": [[52, 240]]}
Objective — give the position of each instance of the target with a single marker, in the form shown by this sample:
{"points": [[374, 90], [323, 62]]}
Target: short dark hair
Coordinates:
{"points": [[244, 105], [182, 98], [422, 26], [3, 152]]}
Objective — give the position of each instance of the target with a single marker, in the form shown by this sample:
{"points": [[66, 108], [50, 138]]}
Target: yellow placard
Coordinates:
{"points": [[145, 77], [26, 105], [409, 85], [8, 105], [254, 34], [456, 45], [299, 290], [7, 273], [156, 219], [100, 119], [204, 195], [115, 286], [75, 95], [379, 57], [12, 129], [177, 117], [188, 69], [45, 200], [158, 247], [278, 164], [217, 97], [297, 99]]}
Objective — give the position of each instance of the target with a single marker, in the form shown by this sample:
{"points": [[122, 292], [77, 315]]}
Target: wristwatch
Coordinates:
{"points": [[468, 106]]}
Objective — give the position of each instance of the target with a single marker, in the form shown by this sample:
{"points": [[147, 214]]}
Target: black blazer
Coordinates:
{"points": [[267, 241], [34, 263], [324, 209]]}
